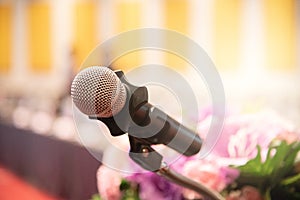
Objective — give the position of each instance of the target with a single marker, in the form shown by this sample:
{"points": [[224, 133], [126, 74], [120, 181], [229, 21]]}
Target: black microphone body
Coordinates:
{"points": [[149, 124], [156, 127]]}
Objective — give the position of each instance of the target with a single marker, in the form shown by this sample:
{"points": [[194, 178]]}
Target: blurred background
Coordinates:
{"points": [[255, 45]]}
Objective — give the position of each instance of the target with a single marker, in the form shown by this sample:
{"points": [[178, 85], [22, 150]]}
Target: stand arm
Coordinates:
{"points": [[179, 179], [151, 160]]}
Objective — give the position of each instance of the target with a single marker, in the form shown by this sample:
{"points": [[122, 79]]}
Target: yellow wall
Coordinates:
{"points": [[84, 30], [279, 24], [5, 37], [128, 17], [176, 18], [280, 37], [227, 34], [39, 37]]}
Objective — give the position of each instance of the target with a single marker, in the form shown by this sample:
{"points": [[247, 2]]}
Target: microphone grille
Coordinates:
{"points": [[98, 91]]}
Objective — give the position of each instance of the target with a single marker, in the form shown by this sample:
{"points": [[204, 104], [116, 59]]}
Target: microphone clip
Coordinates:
{"points": [[140, 150], [144, 155]]}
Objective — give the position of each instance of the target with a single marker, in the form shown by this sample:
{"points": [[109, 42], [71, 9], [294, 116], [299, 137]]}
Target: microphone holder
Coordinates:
{"points": [[144, 155]]}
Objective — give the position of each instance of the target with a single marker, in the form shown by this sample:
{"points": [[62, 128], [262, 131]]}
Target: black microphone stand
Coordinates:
{"points": [[140, 149], [144, 155]]}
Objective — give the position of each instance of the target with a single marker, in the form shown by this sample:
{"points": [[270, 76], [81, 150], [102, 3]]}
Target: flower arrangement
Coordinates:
{"points": [[256, 158]]}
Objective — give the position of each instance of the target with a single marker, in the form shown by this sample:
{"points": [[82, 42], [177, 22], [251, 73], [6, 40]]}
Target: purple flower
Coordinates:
{"points": [[155, 187]]}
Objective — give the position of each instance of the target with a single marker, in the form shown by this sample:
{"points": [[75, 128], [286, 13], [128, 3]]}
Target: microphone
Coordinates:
{"points": [[106, 95]]}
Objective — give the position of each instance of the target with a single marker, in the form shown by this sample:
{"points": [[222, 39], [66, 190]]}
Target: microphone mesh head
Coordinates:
{"points": [[97, 91]]}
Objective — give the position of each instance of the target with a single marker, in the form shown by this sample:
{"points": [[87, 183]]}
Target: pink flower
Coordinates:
{"points": [[247, 193], [242, 133], [108, 182], [289, 137], [208, 173]]}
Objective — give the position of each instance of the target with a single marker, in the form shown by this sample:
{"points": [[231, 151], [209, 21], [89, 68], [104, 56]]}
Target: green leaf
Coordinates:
{"points": [[96, 197], [253, 166], [265, 175], [283, 161], [268, 195], [291, 180], [130, 190], [125, 185]]}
